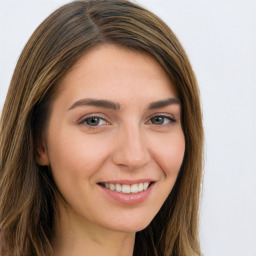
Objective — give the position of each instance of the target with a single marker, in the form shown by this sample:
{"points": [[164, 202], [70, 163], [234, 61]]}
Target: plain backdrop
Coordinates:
{"points": [[220, 39]]}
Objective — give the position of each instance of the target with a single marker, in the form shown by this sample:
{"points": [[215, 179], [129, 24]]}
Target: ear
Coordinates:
{"points": [[41, 154]]}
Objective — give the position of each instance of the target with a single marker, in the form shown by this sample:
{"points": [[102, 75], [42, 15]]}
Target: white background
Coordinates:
{"points": [[220, 39]]}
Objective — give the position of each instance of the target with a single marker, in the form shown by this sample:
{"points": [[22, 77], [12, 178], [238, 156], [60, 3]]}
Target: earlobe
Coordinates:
{"points": [[41, 155]]}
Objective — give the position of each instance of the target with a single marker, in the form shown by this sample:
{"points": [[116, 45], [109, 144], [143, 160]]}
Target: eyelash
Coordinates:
{"points": [[83, 121], [167, 118]]}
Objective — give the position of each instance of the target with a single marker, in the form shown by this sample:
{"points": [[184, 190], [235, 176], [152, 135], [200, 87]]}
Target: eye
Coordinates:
{"points": [[162, 120], [94, 121]]}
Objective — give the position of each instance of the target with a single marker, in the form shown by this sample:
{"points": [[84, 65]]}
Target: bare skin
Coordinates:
{"points": [[91, 241], [115, 146]]}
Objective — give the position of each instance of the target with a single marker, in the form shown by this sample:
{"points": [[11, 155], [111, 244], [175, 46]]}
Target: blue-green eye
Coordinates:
{"points": [[95, 121], [161, 120]]}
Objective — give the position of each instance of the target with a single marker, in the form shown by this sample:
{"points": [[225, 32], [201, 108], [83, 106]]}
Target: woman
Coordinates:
{"points": [[101, 138]]}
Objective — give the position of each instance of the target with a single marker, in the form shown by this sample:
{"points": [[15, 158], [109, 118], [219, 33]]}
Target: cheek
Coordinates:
{"points": [[74, 154], [169, 153]]}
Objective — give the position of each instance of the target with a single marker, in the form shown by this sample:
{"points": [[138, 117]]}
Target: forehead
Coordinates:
{"points": [[117, 73]]}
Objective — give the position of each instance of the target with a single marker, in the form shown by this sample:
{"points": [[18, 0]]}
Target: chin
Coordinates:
{"points": [[131, 227]]}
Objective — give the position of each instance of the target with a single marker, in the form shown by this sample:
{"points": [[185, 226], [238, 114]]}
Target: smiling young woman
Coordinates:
{"points": [[101, 138]]}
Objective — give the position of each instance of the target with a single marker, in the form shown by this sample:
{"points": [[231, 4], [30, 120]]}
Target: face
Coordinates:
{"points": [[114, 140]]}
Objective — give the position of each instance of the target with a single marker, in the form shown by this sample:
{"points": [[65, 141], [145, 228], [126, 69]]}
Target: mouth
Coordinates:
{"points": [[127, 188]]}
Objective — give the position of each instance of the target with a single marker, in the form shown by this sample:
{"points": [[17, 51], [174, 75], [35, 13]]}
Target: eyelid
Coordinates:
{"points": [[98, 115], [81, 121], [165, 115]]}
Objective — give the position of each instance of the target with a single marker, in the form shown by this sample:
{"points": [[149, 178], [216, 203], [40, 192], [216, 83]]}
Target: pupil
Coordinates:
{"points": [[158, 120], [93, 121]]}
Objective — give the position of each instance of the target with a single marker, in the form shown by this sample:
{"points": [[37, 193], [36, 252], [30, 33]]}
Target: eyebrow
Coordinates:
{"points": [[116, 106], [164, 103], [97, 103]]}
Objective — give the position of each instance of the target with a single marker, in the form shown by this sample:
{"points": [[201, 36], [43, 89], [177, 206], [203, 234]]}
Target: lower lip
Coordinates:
{"points": [[132, 198]]}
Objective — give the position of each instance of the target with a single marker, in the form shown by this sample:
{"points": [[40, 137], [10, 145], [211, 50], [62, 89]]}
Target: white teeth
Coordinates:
{"points": [[127, 189], [141, 188], [112, 187], [134, 188], [145, 185], [118, 188]]}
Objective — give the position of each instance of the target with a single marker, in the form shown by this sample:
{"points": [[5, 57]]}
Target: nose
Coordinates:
{"points": [[131, 150]]}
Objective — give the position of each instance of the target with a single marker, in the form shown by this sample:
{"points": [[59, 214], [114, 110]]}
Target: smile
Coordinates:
{"points": [[126, 188]]}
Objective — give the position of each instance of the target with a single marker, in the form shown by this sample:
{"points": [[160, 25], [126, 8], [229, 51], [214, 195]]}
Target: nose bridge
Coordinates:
{"points": [[131, 150]]}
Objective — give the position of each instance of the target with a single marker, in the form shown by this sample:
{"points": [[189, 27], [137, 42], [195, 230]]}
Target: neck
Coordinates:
{"points": [[77, 237]]}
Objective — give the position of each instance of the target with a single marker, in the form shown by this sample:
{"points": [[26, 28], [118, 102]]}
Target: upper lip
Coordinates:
{"points": [[128, 181]]}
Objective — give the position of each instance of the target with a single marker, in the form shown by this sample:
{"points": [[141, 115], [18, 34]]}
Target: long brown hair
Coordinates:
{"points": [[27, 190]]}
